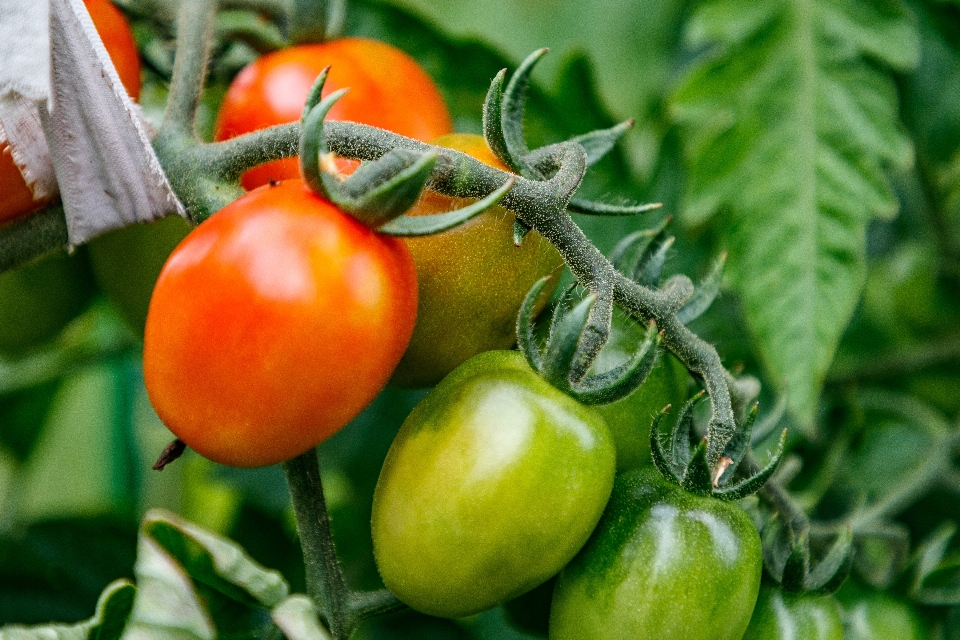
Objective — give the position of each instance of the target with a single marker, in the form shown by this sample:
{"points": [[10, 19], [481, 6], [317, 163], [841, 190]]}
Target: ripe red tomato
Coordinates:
{"points": [[118, 40], [273, 324], [473, 280], [388, 89]]}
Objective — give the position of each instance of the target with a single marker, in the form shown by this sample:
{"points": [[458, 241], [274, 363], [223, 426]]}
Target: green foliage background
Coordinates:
{"points": [[815, 141]]}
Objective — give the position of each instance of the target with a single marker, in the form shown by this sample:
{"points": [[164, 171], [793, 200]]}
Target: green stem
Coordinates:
{"points": [[325, 582], [364, 605], [27, 238], [195, 22], [342, 608], [276, 10], [539, 204]]}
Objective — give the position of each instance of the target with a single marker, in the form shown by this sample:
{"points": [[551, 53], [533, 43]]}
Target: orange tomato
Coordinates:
{"points": [[273, 324], [388, 89], [473, 280]]}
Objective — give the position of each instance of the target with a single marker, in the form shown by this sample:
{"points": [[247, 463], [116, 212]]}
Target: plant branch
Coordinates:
{"points": [[195, 21], [27, 238], [540, 204], [325, 584]]}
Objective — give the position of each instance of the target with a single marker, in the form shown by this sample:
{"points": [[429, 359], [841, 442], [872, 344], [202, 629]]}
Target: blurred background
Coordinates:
{"points": [[78, 436]]}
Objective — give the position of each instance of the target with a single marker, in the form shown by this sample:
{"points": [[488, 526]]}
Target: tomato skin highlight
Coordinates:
{"points": [[388, 89], [473, 280], [493, 483], [785, 616], [662, 564], [17, 198], [273, 324]]}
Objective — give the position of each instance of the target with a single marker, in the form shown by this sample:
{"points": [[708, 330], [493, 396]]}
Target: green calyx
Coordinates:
{"points": [[378, 193], [503, 111], [563, 360], [684, 462], [789, 559]]}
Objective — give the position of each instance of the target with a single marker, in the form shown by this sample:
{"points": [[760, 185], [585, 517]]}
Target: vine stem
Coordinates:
{"points": [[341, 608], [195, 21], [325, 584], [540, 204]]}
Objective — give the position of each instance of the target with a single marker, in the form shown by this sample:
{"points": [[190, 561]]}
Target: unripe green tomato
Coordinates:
{"points": [[785, 616], [472, 280], [127, 263], [629, 419], [874, 615], [38, 299], [663, 564], [494, 482]]}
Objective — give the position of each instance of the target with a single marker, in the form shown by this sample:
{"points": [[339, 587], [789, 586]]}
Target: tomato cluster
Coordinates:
{"points": [[276, 321]]}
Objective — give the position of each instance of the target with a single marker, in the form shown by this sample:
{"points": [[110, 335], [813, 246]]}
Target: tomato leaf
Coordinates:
{"points": [[788, 121], [199, 585], [297, 618], [108, 622]]}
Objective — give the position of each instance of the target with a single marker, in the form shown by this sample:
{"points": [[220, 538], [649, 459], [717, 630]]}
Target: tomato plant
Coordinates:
{"points": [[472, 281], [118, 40], [127, 263], [40, 298], [273, 324], [784, 616], [388, 89], [630, 418], [662, 563], [493, 483]]}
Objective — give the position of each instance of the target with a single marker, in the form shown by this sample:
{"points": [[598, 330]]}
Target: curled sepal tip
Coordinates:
{"points": [[427, 225], [378, 191], [598, 143], [672, 455], [513, 103], [526, 339], [559, 359], [704, 294], [591, 208], [493, 121], [790, 561], [520, 231], [633, 253]]}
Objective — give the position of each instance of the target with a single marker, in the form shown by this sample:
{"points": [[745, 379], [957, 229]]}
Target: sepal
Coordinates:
{"points": [[598, 143], [673, 456], [379, 192], [563, 357], [704, 294], [591, 208], [789, 557], [412, 226], [503, 111]]}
